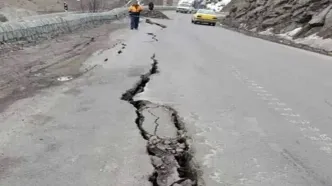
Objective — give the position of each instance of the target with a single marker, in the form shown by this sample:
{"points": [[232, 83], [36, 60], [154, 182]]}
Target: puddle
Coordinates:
{"points": [[64, 78]]}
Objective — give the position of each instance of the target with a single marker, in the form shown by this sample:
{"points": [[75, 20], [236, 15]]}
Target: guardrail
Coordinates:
{"points": [[31, 30]]}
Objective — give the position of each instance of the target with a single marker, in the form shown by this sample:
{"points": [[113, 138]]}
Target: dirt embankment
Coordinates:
{"points": [[27, 70], [281, 16]]}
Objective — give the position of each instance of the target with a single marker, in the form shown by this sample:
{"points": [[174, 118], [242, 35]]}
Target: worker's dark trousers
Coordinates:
{"points": [[134, 21]]}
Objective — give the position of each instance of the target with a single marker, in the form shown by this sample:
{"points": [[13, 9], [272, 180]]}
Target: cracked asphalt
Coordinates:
{"points": [[251, 113]]}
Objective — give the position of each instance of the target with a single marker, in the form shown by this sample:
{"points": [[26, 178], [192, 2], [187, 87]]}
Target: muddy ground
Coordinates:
{"points": [[25, 71]]}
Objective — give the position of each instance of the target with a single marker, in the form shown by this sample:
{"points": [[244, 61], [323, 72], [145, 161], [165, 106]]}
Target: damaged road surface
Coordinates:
{"points": [[176, 104], [170, 154], [80, 132]]}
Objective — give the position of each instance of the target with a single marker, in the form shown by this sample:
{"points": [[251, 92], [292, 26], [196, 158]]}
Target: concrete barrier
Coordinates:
{"points": [[31, 30]]}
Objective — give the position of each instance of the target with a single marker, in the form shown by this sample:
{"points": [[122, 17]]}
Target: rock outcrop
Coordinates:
{"points": [[281, 16], [3, 18]]}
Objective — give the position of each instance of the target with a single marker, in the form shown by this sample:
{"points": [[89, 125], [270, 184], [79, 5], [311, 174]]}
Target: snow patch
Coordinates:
{"points": [[316, 41], [267, 32], [312, 40], [218, 6], [289, 35]]}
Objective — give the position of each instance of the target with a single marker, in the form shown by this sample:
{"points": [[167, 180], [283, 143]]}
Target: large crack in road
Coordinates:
{"points": [[172, 156]]}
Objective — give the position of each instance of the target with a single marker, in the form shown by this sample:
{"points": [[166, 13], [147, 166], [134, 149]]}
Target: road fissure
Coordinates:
{"points": [[171, 157]]}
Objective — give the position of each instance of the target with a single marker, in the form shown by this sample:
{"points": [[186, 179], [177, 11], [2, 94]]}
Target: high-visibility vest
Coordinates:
{"points": [[135, 9]]}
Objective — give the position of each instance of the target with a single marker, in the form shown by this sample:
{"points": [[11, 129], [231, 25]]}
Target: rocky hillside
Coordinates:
{"points": [[280, 16]]}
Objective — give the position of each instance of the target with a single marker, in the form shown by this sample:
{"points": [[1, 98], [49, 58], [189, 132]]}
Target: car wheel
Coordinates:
{"points": [[213, 24]]}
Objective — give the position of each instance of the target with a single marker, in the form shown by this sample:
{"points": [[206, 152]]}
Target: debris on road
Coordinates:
{"points": [[154, 14], [154, 36], [155, 23]]}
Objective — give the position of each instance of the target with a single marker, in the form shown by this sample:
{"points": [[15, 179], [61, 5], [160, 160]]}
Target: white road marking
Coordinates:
{"points": [[305, 127]]}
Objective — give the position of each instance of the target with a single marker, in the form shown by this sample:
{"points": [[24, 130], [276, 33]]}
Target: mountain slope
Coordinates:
{"points": [[282, 16]]}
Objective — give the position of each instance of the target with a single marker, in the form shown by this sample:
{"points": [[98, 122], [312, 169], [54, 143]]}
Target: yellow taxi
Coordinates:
{"points": [[205, 16]]}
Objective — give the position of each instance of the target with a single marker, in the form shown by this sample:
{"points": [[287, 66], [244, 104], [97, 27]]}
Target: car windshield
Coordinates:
{"points": [[205, 11]]}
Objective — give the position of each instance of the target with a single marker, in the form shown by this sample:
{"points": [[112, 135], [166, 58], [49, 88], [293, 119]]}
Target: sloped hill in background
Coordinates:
{"points": [[11, 13], [13, 9], [233, 3], [37, 5], [281, 16]]}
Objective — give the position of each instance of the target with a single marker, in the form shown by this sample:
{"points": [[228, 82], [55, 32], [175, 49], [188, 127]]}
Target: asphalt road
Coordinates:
{"points": [[257, 113]]}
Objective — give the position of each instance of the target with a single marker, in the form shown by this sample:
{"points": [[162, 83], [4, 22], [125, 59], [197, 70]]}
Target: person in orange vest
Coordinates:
{"points": [[134, 12]]}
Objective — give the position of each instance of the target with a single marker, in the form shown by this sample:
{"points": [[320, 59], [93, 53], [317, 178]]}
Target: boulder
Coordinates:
{"points": [[279, 2], [326, 31], [299, 11], [261, 2], [304, 2], [328, 19], [154, 14], [255, 11], [279, 11], [318, 6], [304, 18], [268, 22], [318, 19], [287, 6], [271, 15], [3, 18], [273, 21]]}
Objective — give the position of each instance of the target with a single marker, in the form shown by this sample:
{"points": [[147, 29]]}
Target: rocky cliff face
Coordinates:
{"points": [[280, 16]]}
